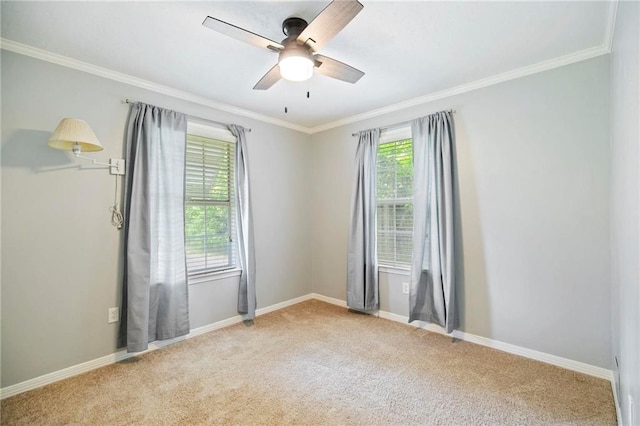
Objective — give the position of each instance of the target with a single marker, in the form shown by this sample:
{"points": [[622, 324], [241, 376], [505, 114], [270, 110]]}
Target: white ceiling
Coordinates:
{"points": [[406, 49]]}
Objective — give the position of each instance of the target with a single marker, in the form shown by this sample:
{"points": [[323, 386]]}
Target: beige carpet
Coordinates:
{"points": [[315, 363]]}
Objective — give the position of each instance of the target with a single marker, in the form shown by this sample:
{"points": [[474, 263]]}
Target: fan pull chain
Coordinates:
{"points": [[286, 98]]}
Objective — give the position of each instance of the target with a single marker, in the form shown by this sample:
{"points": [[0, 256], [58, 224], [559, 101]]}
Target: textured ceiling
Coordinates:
{"points": [[406, 49]]}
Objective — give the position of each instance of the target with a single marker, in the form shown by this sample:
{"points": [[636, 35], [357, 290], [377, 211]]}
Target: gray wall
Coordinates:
{"points": [[533, 220], [532, 210], [625, 211], [61, 256]]}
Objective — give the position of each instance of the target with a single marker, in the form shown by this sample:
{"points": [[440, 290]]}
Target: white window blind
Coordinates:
{"points": [[395, 199], [209, 205]]}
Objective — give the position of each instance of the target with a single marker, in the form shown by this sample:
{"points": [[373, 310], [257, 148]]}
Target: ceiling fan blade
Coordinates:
{"points": [[329, 22], [241, 34], [336, 69], [269, 79]]}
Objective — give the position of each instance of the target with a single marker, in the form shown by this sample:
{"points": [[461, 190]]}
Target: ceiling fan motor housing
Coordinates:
{"points": [[292, 27], [293, 48]]}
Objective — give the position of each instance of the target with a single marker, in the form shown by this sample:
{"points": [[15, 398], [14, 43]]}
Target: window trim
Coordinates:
{"points": [[214, 276], [395, 270], [395, 134], [210, 131]]}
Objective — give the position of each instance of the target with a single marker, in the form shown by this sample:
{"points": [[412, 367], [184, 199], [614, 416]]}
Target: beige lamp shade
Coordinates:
{"points": [[72, 131]]}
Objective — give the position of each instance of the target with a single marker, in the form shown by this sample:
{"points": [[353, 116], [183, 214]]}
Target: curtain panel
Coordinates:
{"points": [[246, 245], [362, 264], [432, 287], [155, 293]]}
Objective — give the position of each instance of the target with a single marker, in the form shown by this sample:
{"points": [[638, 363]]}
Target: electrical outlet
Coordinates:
{"points": [[405, 288], [113, 315]]}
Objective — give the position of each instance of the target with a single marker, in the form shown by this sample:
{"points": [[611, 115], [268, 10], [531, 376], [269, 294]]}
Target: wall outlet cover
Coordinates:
{"points": [[405, 288]]}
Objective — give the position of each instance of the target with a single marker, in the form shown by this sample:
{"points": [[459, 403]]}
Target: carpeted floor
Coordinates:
{"points": [[315, 363]]}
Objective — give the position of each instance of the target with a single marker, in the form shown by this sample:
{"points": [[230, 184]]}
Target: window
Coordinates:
{"points": [[395, 198], [209, 200]]}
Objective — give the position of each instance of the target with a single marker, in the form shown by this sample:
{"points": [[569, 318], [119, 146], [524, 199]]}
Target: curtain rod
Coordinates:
{"points": [[404, 123], [129, 101]]}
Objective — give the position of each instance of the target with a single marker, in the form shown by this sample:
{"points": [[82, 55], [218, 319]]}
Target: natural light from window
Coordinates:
{"points": [[394, 198], [209, 201]]}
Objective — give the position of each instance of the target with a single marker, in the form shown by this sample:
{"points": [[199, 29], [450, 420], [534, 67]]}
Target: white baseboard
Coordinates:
{"points": [[84, 367], [121, 355], [284, 304], [616, 401], [569, 364], [566, 363], [328, 299]]}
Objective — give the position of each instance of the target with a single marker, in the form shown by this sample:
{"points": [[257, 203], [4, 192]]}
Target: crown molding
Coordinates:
{"points": [[468, 87], [65, 61], [571, 58], [561, 61]]}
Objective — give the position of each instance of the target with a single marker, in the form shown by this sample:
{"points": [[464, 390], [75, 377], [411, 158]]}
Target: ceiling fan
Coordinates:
{"points": [[297, 57]]}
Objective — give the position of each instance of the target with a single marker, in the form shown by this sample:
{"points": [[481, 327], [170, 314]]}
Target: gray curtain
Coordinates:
{"points": [[155, 304], [362, 264], [246, 246], [432, 288]]}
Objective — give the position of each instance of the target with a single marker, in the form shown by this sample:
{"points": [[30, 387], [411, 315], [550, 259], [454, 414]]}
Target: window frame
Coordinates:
{"points": [[387, 136], [223, 135]]}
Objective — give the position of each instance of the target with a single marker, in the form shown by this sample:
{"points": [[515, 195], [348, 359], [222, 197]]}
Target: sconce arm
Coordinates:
{"points": [[116, 165]]}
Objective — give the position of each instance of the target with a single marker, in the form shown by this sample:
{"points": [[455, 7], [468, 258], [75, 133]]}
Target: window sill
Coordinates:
{"points": [[214, 276], [396, 270]]}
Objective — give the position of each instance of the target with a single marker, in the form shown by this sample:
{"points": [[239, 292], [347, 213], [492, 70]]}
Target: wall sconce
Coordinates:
{"points": [[76, 136]]}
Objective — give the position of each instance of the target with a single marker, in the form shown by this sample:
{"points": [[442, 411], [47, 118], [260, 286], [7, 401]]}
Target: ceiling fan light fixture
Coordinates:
{"points": [[295, 64], [296, 68], [298, 56]]}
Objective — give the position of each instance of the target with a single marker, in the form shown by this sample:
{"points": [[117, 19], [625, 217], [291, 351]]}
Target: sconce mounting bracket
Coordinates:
{"points": [[116, 166]]}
